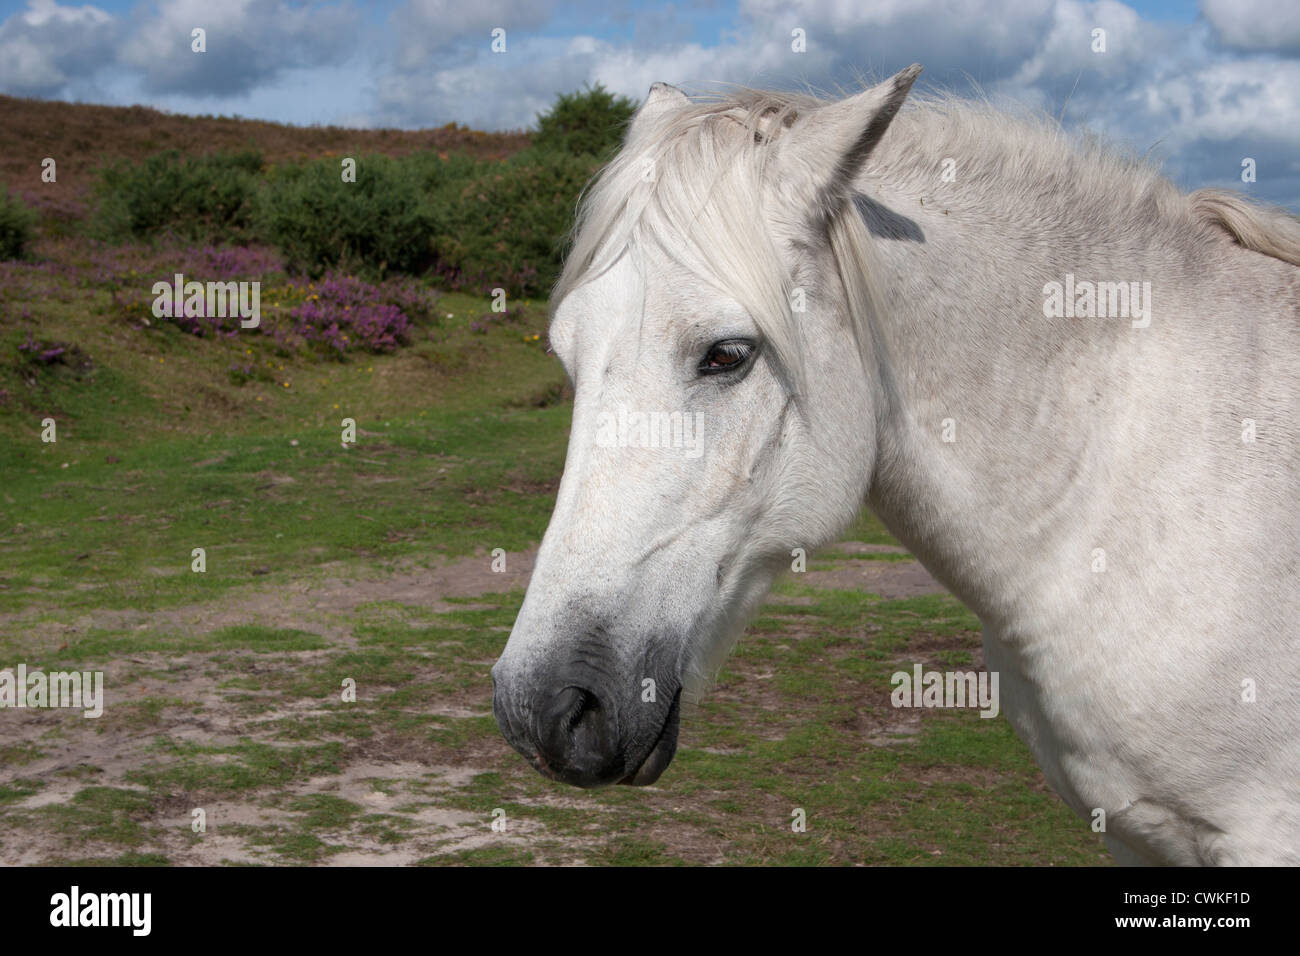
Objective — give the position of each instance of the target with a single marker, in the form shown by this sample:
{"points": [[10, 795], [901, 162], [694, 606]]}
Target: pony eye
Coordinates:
{"points": [[727, 355]]}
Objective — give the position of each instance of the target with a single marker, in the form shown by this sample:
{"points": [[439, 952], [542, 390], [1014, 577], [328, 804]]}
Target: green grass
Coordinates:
{"points": [[19, 789], [98, 814], [453, 455]]}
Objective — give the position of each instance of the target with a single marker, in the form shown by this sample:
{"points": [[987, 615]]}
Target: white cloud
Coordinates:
{"points": [[1255, 24], [984, 38], [429, 30], [1069, 48], [489, 91], [1228, 100], [249, 42], [47, 47]]}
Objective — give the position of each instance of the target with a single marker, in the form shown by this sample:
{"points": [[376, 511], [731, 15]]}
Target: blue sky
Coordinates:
{"points": [[1199, 85]]}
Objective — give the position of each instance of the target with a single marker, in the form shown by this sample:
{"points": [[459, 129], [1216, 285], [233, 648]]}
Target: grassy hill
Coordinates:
{"points": [[82, 136]]}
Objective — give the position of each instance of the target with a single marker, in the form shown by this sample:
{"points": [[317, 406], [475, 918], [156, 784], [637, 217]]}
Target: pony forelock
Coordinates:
{"points": [[692, 181]]}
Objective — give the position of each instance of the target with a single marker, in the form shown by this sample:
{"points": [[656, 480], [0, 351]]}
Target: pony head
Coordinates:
{"points": [[716, 323]]}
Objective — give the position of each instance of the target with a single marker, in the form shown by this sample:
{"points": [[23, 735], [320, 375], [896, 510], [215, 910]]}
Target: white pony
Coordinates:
{"points": [[1069, 388]]}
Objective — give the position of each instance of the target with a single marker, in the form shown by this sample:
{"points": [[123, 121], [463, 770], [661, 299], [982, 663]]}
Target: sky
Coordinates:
{"points": [[1198, 85]]}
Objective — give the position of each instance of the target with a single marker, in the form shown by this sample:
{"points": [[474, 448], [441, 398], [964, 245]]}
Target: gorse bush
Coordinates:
{"points": [[506, 224], [196, 197], [477, 225], [379, 223], [16, 223], [588, 122]]}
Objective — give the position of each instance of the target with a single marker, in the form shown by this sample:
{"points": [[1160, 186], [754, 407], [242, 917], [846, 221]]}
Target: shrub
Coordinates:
{"points": [[58, 208], [378, 223], [16, 222], [505, 226], [589, 122], [202, 197]]}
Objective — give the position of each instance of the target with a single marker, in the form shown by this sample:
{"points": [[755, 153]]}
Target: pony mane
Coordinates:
{"points": [[692, 179]]}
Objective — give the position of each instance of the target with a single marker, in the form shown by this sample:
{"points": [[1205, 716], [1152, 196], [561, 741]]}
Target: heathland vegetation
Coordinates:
{"points": [[490, 212]]}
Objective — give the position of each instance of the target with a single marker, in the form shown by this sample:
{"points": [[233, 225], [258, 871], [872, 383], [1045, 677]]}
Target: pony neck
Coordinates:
{"points": [[989, 464]]}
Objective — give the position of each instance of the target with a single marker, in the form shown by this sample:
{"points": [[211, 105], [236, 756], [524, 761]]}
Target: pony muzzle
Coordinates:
{"points": [[578, 732]]}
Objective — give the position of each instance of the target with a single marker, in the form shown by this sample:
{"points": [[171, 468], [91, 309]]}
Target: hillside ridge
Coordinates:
{"points": [[80, 136]]}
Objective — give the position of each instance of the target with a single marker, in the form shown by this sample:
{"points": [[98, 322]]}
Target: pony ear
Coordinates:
{"points": [[834, 141], [660, 99]]}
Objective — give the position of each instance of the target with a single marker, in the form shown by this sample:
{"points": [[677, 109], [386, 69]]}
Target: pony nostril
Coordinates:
{"points": [[586, 703], [576, 732], [581, 703], [573, 736]]}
